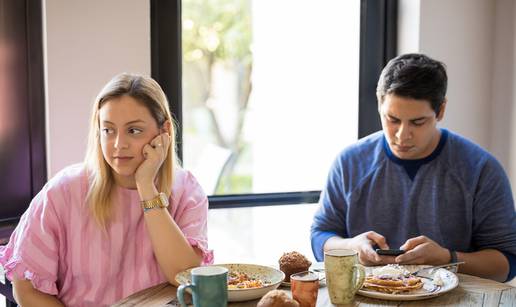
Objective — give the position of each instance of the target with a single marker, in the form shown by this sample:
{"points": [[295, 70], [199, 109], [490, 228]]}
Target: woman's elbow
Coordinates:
{"points": [[21, 290]]}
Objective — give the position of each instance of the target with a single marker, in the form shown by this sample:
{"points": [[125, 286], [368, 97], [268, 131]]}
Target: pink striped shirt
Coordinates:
{"points": [[59, 247]]}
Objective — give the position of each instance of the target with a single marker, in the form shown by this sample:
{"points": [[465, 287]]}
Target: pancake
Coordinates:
{"points": [[392, 279]]}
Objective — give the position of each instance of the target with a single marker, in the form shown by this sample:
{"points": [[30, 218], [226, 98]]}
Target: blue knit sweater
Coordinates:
{"points": [[459, 197]]}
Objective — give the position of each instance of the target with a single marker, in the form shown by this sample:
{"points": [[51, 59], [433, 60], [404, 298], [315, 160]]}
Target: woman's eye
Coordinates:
{"points": [[135, 131], [106, 130]]}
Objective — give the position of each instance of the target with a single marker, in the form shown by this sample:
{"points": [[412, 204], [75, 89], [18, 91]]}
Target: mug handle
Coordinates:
{"points": [[180, 293], [358, 268]]}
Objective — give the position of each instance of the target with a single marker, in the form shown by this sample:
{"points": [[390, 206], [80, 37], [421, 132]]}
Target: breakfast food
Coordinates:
{"points": [[293, 262], [277, 298], [239, 280], [392, 279]]}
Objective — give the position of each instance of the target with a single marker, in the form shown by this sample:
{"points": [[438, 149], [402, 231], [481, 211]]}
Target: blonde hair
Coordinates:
{"points": [[101, 180]]}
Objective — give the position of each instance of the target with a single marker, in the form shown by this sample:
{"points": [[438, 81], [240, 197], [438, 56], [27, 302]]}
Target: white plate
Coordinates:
{"points": [[272, 276], [450, 282]]}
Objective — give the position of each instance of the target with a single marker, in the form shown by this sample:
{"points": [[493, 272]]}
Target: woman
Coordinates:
{"points": [[100, 231]]}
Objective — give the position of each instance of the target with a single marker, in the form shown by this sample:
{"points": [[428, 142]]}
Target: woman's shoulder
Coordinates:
{"points": [[185, 184], [58, 196], [184, 179], [68, 186], [71, 177]]}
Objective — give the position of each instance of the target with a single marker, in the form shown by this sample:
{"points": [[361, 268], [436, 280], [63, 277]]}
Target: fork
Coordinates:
{"points": [[321, 270], [415, 273]]}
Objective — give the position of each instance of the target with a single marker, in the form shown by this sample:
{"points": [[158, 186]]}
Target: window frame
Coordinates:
{"points": [[378, 40]]}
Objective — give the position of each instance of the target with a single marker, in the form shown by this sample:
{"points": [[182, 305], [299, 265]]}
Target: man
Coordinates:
{"points": [[413, 186]]}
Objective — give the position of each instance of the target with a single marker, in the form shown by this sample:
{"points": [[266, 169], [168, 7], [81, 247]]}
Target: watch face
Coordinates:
{"points": [[164, 200]]}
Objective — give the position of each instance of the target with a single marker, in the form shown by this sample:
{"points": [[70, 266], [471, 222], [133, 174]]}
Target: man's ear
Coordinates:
{"points": [[167, 126], [440, 115], [380, 100]]}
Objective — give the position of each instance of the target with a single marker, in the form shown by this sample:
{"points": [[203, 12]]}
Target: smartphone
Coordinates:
{"points": [[389, 252]]}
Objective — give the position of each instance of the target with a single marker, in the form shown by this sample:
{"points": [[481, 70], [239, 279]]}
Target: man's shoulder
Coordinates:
{"points": [[361, 158], [368, 147], [463, 149], [469, 157]]}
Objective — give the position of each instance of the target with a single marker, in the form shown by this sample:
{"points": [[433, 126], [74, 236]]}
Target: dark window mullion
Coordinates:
{"points": [[166, 58], [263, 199], [36, 98], [378, 28]]}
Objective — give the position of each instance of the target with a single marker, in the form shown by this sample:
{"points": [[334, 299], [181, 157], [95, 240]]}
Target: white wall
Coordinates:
{"points": [[503, 104], [87, 43], [476, 40], [513, 128], [408, 26], [460, 33]]}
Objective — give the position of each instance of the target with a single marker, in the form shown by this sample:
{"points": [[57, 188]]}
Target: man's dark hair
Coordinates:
{"points": [[415, 76]]}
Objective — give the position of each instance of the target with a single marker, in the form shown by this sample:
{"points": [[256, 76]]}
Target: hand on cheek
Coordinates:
{"points": [[154, 154]]}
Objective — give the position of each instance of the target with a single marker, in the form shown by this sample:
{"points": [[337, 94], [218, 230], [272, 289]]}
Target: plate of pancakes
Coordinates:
{"points": [[395, 282]]}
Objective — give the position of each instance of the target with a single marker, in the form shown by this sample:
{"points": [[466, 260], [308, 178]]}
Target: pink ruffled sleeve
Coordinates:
{"points": [[32, 251], [191, 213]]}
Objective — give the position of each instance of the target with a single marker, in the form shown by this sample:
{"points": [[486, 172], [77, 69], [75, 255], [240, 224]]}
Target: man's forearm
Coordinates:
{"points": [[336, 242], [487, 263]]}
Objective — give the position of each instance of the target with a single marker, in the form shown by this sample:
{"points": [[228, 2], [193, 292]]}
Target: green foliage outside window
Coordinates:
{"points": [[217, 33]]}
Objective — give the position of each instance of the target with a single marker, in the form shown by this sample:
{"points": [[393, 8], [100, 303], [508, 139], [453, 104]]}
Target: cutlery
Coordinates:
{"points": [[415, 273], [321, 270]]}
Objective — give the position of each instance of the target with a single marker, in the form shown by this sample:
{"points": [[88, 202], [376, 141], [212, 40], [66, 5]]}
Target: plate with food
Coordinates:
{"points": [[395, 282], [245, 281]]}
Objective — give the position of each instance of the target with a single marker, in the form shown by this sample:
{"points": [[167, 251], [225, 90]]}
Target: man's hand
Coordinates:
{"points": [[422, 250], [363, 244]]}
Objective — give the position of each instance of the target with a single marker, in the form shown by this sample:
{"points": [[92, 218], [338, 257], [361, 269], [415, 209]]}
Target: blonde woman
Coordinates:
{"points": [[126, 219]]}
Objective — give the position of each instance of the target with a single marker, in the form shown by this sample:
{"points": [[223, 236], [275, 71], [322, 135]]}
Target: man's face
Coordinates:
{"points": [[410, 126]]}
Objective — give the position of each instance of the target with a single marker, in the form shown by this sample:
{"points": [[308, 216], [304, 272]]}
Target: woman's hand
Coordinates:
{"points": [[423, 250], [154, 154]]}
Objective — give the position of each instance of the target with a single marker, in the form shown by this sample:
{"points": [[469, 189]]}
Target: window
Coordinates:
{"points": [[266, 93], [268, 98]]}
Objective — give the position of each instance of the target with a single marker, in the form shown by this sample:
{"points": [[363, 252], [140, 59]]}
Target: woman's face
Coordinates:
{"points": [[126, 125]]}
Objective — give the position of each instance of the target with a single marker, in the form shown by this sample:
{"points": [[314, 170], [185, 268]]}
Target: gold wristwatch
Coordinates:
{"points": [[160, 201]]}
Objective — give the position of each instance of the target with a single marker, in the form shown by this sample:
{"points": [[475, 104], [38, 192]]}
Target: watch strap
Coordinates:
{"points": [[453, 256], [160, 201]]}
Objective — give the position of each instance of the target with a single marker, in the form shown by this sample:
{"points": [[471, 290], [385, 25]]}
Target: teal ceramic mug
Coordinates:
{"points": [[209, 287]]}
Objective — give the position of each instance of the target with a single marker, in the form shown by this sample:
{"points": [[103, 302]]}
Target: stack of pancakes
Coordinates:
{"points": [[392, 279]]}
